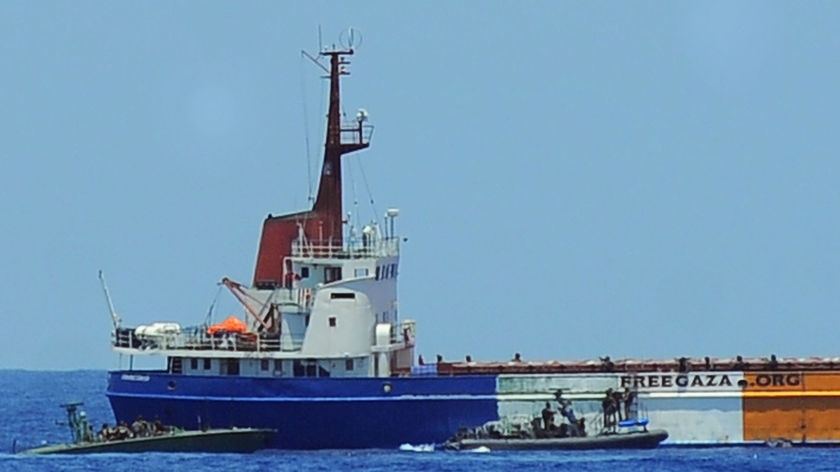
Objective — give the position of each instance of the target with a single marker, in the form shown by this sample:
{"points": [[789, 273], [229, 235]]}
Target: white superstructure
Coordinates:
{"points": [[337, 317]]}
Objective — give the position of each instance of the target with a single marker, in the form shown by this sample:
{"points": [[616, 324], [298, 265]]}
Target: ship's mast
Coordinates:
{"points": [[341, 139], [321, 225]]}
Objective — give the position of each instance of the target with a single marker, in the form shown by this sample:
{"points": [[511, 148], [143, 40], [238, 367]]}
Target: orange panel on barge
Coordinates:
{"points": [[795, 406]]}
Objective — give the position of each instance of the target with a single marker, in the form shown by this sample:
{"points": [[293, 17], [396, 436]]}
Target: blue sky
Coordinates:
{"points": [[576, 179]]}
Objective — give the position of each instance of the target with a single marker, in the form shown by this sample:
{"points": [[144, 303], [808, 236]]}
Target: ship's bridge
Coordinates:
{"points": [[363, 253]]}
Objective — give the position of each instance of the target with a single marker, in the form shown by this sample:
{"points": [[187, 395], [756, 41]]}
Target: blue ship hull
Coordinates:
{"points": [[325, 413]]}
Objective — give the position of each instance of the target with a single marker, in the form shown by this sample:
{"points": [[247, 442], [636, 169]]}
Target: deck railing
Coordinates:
{"points": [[352, 250], [196, 339], [354, 133]]}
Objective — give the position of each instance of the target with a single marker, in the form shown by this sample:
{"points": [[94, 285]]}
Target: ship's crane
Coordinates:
{"points": [[266, 322], [115, 318]]}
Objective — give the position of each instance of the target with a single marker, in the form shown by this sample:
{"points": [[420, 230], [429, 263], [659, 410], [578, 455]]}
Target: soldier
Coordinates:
{"points": [[548, 417], [609, 406], [123, 431], [157, 427], [139, 427], [629, 399], [618, 400], [566, 411], [104, 433]]}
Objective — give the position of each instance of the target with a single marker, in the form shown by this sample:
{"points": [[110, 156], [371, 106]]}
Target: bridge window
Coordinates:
{"points": [[304, 272], [342, 296], [332, 321], [266, 284]]}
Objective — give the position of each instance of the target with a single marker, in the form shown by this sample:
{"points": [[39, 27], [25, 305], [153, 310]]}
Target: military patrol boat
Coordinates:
{"points": [[153, 439], [542, 433]]}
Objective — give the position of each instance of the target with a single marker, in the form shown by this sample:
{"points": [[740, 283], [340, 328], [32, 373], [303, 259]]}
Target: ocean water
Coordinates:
{"points": [[29, 412]]}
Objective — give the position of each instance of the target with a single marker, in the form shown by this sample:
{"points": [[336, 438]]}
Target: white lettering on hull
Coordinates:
{"points": [[134, 378]]}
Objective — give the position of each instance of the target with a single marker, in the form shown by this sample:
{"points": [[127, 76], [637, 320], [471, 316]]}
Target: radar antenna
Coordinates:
{"points": [[351, 38]]}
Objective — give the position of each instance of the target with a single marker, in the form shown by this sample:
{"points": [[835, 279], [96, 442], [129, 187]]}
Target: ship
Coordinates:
{"points": [[323, 357]]}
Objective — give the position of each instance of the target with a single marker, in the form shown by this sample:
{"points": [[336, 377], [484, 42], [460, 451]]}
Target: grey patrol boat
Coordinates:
{"points": [[154, 438]]}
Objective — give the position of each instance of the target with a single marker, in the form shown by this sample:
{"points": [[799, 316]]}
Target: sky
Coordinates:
{"points": [[575, 179]]}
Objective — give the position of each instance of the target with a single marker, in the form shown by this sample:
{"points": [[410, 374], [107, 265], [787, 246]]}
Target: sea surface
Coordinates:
{"points": [[29, 411]]}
